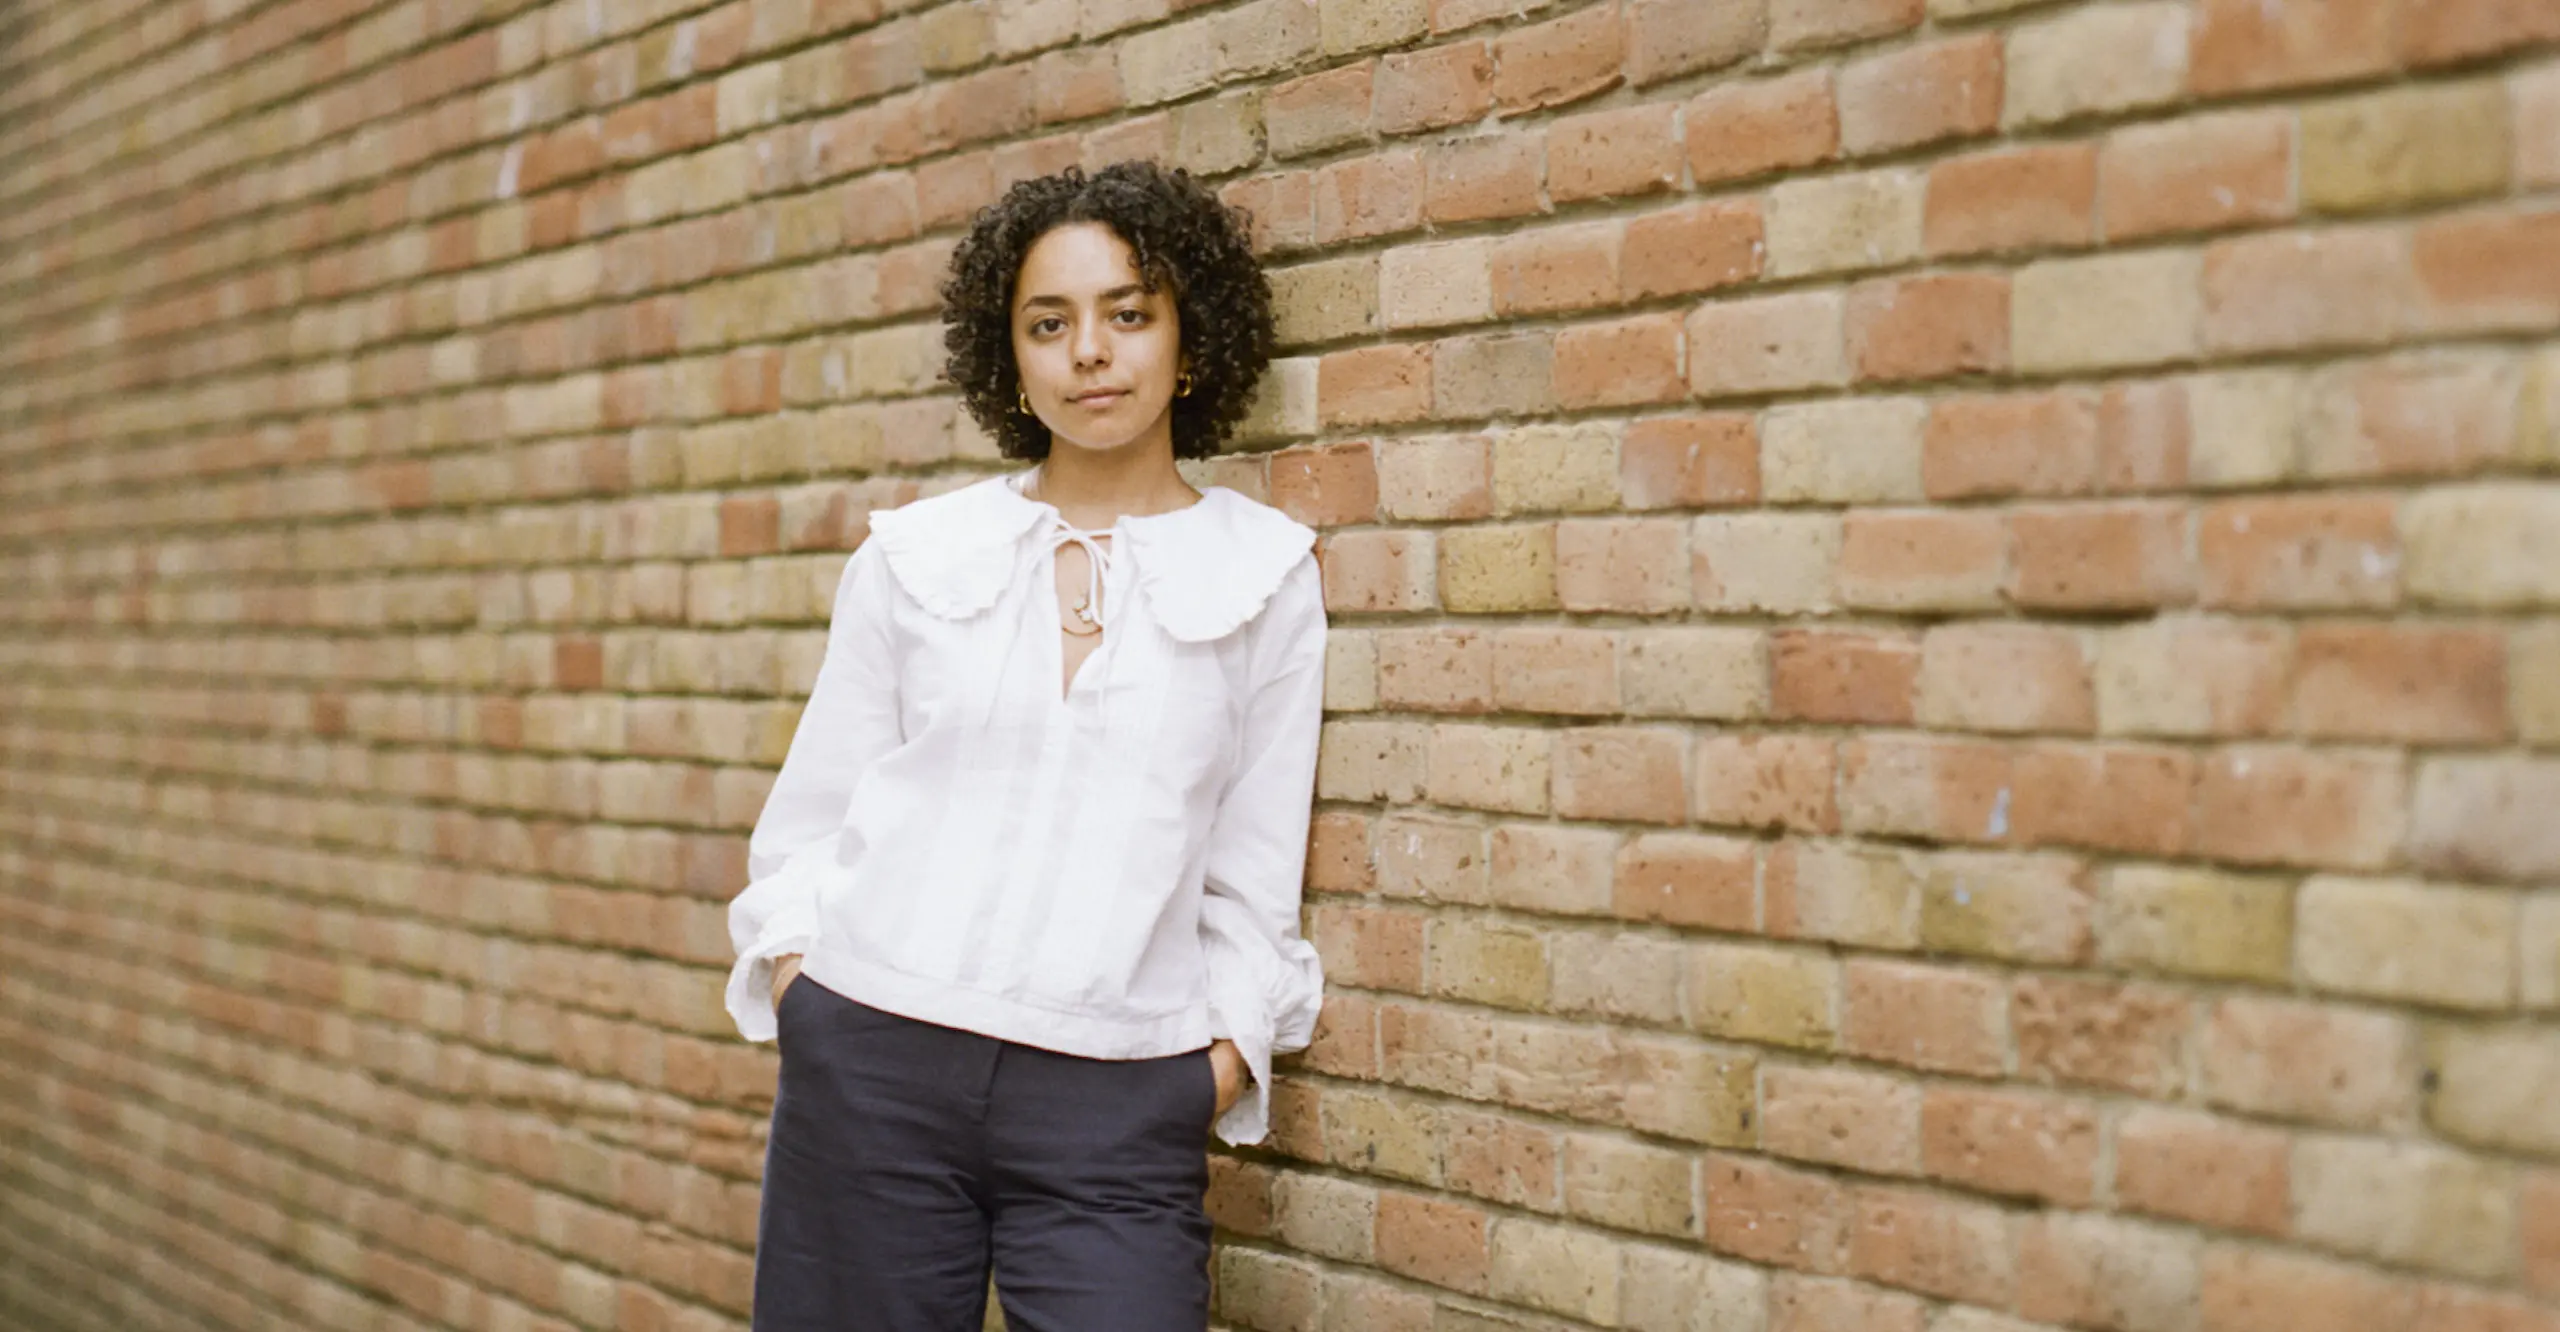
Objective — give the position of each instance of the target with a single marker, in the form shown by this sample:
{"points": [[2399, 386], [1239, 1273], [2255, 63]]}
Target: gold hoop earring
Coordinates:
{"points": [[1182, 385], [1023, 400]]}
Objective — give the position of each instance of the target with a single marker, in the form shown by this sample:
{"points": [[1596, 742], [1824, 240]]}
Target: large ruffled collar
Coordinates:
{"points": [[1205, 570]]}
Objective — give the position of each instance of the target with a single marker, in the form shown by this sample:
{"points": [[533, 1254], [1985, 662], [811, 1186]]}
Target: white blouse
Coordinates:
{"points": [[1109, 869]]}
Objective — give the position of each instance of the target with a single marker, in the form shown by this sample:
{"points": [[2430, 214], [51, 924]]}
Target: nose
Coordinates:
{"points": [[1092, 345]]}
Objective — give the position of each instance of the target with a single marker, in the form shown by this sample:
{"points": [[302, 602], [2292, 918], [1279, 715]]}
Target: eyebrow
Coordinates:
{"points": [[1062, 302]]}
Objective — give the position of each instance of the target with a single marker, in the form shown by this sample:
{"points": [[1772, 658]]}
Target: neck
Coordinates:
{"points": [[1093, 490]]}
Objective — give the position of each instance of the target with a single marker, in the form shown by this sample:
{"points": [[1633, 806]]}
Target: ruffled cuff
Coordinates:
{"points": [[1265, 999], [775, 917]]}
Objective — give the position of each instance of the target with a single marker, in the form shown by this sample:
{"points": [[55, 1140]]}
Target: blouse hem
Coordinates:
{"points": [[947, 1005]]}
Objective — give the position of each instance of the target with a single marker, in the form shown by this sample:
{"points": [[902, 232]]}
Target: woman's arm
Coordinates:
{"points": [[1265, 981], [850, 721]]}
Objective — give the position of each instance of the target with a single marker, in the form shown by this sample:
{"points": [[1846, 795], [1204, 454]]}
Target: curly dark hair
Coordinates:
{"points": [[1184, 237]]}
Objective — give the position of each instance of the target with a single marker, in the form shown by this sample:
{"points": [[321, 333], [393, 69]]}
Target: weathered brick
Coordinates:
{"points": [[1958, 1249], [1736, 130], [1928, 327], [2494, 1088], [2485, 545], [2196, 923], [1681, 462], [2103, 59], [2240, 45], [1928, 1017], [2293, 289], [2193, 1167], [2024, 1144], [1767, 996], [1923, 559], [2487, 817], [2105, 312], [2405, 1203], [1841, 223], [1710, 672], [1683, 879], [2198, 174], [1856, 450], [2403, 147], [2099, 1271], [1923, 94], [1997, 677], [1766, 345], [1840, 1117], [2132, 1038], [1764, 781], [1846, 894], [1780, 562], [2293, 1060], [2012, 199]]}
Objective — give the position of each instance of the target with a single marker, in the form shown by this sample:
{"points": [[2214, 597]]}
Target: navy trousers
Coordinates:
{"points": [[907, 1159]]}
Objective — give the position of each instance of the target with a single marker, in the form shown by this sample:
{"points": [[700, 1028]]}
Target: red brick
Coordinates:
{"points": [[1317, 112], [1333, 486], [1563, 60], [1689, 462], [1633, 565], [1568, 671], [1736, 130], [1377, 571], [1837, 1116], [1502, 1159], [749, 525], [2012, 199], [1338, 854], [2249, 1289], [1558, 268], [1769, 1213], [2104, 797], [1371, 948], [1669, 38], [1951, 1248], [1374, 385], [1677, 879], [1628, 363], [2215, 1172], [1368, 196], [1442, 1243], [1929, 327], [2422, 415], [2325, 551], [1800, 1305], [1843, 677], [2294, 290], [1281, 208], [2005, 677], [2291, 1060], [1697, 248], [2100, 1272], [2538, 1222], [2443, 31], [1617, 154], [2400, 682], [2241, 45], [2145, 435], [2015, 1143], [2497, 270], [2039, 443], [2318, 810], [2109, 556], [1922, 94], [2454, 1309], [1474, 179], [1444, 85], [1803, 24], [1435, 670], [1625, 773], [1927, 1017], [2129, 1038], [1932, 559], [1765, 781], [2197, 175]]}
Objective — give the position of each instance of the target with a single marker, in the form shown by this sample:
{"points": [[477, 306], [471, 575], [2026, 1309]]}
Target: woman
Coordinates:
{"points": [[1024, 898]]}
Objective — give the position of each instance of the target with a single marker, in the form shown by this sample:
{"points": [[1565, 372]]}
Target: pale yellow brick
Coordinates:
{"points": [[2020, 906], [1630, 1185], [1430, 857], [2405, 1203], [1163, 64], [1624, 978], [1285, 1291], [2244, 427], [1854, 451], [2488, 817], [1284, 403], [2098, 58], [1845, 893], [1322, 302], [1547, 468], [1350, 671], [2106, 311], [1557, 1269], [1365, 25], [1960, 9], [2538, 410], [2193, 675], [1424, 286], [1842, 223], [2534, 92], [1328, 1217], [1024, 26], [1396, 1136], [1768, 996], [1767, 344], [1219, 135], [2400, 939], [1490, 767], [1553, 868], [1778, 562], [2196, 922], [1706, 672], [1435, 477], [1678, 1290], [2538, 948], [1494, 569], [1487, 962], [2497, 1088], [2488, 545], [748, 98], [1372, 760], [2405, 146]]}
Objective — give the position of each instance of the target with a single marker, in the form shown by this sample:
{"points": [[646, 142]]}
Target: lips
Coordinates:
{"points": [[1098, 398]]}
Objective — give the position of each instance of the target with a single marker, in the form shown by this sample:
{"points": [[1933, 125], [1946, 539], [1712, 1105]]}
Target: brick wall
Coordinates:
{"points": [[1946, 687]]}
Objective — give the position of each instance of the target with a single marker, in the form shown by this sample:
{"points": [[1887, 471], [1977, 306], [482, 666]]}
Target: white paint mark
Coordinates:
{"points": [[1999, 814], [508, 166]]}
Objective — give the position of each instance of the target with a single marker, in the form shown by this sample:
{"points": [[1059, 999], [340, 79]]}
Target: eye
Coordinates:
{"points": [[1043, 326], [1131, 315]]}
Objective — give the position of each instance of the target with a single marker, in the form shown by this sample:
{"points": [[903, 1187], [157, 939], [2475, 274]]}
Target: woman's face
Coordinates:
{"points": [[1098, 352]]}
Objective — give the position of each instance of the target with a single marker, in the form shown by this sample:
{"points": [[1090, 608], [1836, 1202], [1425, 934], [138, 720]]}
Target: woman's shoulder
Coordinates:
{"points": [[1212, 568]]}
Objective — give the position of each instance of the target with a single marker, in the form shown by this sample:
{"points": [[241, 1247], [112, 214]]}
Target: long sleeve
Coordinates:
{"points": [[1266, 983], [850, 721]]}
